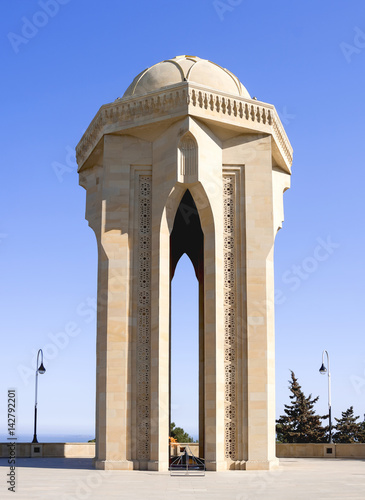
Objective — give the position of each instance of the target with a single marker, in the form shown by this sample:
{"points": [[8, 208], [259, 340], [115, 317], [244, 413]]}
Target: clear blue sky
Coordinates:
{"points": [[306, 58]]}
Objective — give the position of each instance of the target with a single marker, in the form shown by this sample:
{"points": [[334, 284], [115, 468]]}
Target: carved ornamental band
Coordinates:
{"points": [[144, 316], [230, 399]]}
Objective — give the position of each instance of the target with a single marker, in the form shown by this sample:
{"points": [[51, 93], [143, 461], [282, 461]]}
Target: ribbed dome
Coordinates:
{"points": [[186, 68]]}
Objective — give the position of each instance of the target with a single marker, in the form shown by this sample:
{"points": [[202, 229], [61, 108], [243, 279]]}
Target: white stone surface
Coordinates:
{"points": [[185, 124]]}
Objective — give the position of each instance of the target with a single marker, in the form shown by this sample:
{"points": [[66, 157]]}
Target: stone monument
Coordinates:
{"points": [[185, 162]]}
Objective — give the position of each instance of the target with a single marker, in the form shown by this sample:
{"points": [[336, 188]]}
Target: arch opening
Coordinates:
{"points": [[187, 320]]}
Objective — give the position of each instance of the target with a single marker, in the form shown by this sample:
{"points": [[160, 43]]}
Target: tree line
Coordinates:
{"points": [[301, 424]]}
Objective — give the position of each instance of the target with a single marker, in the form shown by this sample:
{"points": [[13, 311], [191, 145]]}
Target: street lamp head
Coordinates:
{"points": [[323, 370], [41, 369]]}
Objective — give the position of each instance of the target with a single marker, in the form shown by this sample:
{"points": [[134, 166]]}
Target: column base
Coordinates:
{"points": [[261, 464], [154, 465], [113, 465], [215, 466]]}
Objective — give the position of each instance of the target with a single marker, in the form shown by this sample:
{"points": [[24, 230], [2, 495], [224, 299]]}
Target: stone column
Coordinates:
{"points": [[213, 329], [112, 399], [260, 321], [201, 368]]}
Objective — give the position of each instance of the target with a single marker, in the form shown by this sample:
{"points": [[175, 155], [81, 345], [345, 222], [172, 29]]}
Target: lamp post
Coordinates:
{"points": [[40, 369], [323, 371]]}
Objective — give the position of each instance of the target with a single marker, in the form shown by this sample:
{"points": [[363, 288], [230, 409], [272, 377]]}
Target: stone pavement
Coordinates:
{"points": [[75, 479]]}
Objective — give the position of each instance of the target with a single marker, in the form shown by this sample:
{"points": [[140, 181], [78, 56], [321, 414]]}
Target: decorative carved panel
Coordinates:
{"points": [[144, 316], [230, 349]]}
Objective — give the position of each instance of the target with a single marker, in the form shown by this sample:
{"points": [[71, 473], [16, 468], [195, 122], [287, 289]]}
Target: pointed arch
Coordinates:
{"points": [[187, 236], [201, 202]]}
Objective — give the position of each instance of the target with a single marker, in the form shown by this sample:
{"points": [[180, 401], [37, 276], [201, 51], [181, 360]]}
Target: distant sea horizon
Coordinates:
{"points": [[50, 438], [55, 438]]}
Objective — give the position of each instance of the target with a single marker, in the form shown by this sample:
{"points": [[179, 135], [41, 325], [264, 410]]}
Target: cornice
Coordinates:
{"points": [[184, 99]]}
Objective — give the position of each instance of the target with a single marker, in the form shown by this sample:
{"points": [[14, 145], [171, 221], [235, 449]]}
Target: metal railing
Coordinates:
{"points": [[187, 464]]}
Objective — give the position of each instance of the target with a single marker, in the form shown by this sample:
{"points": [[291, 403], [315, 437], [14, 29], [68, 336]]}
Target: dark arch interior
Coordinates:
{"points": [[187, 237]]}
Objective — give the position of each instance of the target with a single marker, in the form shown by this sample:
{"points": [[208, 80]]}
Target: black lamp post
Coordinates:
{"points": [[41, 370], [323, 371]]}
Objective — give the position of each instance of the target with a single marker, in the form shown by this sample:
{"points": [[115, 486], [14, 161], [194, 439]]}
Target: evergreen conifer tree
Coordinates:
{"points": [[347, 429], [300, 424], [362, 431], [179, 434]]}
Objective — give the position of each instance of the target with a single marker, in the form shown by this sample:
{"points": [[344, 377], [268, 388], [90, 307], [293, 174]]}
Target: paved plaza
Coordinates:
{"points": [[71, 479]]}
